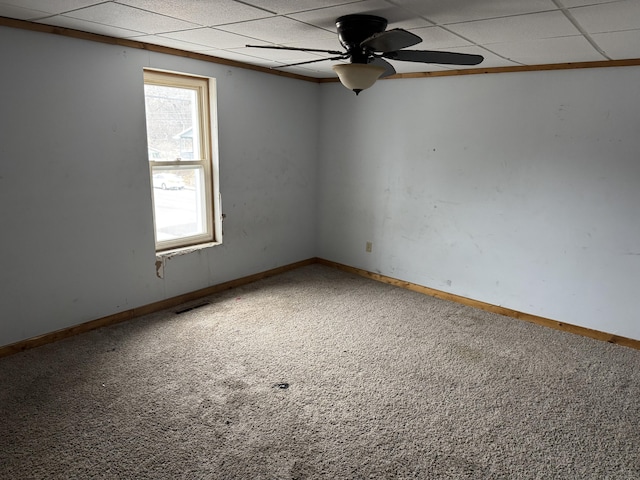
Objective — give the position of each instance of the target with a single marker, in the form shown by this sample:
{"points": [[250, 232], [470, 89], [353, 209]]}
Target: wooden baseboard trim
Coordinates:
{"points": [[565, 327], [144, 310], [195, 295]]}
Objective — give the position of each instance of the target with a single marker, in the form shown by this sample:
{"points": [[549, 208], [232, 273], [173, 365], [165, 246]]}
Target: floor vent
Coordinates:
{"points": [[188, 309]]}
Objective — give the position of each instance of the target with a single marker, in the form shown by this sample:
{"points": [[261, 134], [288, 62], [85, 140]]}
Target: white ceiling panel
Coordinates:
{"points": [[282, 7], [278, 30], [455, 11], [201, 13], [52, 6], [329, 43], [316, 70], [282, 56], [396, 16], [523, 27], [609, 17], [505, 32], [434, 38], [619, 45], [130, 18], [169, 42], [238, 56], [20, 13], [490, 59], [582, 3], [211, 38], [549, 50], [85, 26]]}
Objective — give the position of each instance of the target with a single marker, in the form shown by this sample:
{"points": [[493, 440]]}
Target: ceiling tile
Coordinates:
{"points": [[315, 71], [490, 59], [435, 38], [548, 50], [123, 16], [324, 65], [283, 7], [20, 13], [52, 6], [278, 30], [318, 69], [167, 42], [609, 17], [582, 3], [397, 17], [527, 31], [211, 38], [454, 11], [329, 43], [523, 27], [238, 56], [619, 45], [282, 56], [85, 26], [202, 13]]}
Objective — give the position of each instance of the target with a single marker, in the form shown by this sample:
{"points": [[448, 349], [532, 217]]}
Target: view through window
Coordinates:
{"points": [[179, 145]]}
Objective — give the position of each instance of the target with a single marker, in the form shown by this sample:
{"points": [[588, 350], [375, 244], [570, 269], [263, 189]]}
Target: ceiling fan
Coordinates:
{"points": [[368, 44]]}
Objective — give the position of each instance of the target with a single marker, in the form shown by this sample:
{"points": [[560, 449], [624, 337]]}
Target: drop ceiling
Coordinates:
{"points": [[506, 32]]}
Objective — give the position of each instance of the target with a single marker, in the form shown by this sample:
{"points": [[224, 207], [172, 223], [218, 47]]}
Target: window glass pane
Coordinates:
{"points": [[179, 202], [172, 123]]}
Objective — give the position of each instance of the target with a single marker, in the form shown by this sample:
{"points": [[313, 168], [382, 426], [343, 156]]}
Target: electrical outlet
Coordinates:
{"points": [[369, 247]]}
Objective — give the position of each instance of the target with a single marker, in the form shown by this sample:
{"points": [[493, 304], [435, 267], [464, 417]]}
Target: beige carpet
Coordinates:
{"points": [[317, 373]]}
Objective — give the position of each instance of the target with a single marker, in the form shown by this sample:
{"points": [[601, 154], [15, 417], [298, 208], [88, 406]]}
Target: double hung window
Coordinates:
{"points": [[179, 141]]}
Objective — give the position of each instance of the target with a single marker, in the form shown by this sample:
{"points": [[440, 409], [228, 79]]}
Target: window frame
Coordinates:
{"points": [[204, 88]]}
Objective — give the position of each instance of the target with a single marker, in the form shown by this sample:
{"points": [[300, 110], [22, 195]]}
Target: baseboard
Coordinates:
{"points": [[565, 327], [191, 296], [144, 310]]}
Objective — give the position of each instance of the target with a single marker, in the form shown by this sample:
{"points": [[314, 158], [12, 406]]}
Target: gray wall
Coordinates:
{"points": [[75, 197], [520, 190]]}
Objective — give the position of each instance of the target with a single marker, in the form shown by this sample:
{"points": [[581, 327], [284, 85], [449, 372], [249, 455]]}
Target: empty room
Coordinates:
{"points": [[337, 239]]}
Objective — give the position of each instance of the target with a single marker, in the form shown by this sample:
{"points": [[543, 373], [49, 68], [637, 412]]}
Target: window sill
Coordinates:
{"points": [[184, 250], [162, 257]]}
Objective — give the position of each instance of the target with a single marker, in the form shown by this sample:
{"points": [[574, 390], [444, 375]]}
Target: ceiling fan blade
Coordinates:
{"points": [[390, 40], [273, 47], [388, 68], [429, 56], [341, 57]]}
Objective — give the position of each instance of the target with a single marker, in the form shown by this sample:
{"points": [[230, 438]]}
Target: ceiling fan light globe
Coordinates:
{"points": [[358, 76]]}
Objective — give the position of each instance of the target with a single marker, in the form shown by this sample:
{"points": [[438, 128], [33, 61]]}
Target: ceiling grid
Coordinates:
{"points": [[507, 33]]}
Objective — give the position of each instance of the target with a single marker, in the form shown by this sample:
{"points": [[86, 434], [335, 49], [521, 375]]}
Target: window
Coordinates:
{"points": [[181, 158]]}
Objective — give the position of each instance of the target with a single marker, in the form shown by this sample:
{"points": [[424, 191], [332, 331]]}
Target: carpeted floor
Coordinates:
{"points": [[316, 373]]}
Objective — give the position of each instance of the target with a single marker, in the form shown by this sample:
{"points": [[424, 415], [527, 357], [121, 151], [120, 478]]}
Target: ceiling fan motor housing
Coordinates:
{"points": [[354, 29]]}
